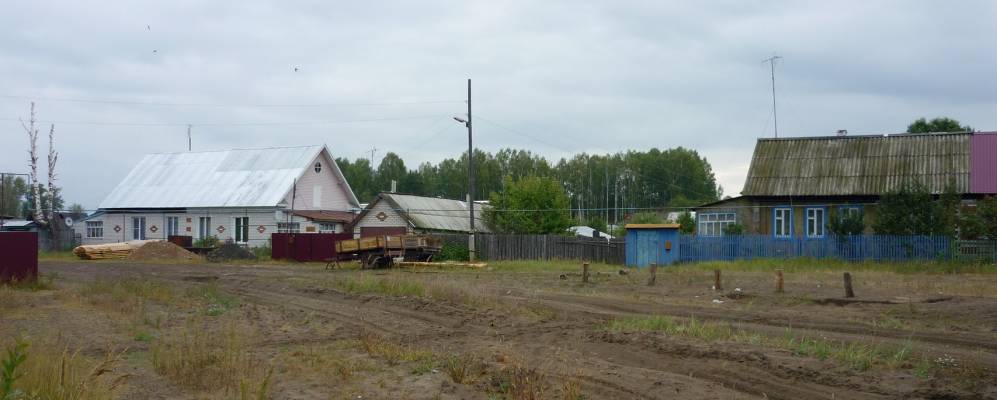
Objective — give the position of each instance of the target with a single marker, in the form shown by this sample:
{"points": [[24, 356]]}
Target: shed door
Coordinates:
{"points": [[367, 231], [648, 247]]}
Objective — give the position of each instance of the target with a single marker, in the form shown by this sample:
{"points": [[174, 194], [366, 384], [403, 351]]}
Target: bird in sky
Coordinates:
{"points": [[295, 69], [148, 28], [154, 51]]}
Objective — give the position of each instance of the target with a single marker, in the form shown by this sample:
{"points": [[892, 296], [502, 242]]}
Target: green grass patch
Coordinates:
{"points": [[559, 266], [367, 284], [860, 356], [814, 265], [62, 255]]}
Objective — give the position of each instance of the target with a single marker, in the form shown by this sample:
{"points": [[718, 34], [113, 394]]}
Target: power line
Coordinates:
{"points": [[461, 211], [185, 124], [248, 105]]}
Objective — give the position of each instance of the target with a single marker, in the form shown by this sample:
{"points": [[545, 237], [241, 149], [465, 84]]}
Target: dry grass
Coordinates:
{"points": [[860, 356], [571, 389], [196, 358], [126, 295], [464, 368], [525, 383], [323, 359], [10, 299], [48, 369], [391, 352]]}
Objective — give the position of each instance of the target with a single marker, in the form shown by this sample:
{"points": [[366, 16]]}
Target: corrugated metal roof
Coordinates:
{"points": [[17, 223], [983, 158], [229, 178], [857, 165], [437, 214]]}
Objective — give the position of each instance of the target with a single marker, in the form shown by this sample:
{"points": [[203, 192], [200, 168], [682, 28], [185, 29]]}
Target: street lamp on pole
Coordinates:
{"points": [[470, 170]]}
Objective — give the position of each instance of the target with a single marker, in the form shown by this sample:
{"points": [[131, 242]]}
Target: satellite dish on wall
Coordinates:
{"points": [[69, 221]]}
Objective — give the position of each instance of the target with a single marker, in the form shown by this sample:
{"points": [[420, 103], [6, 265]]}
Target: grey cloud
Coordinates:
{"points": [[564, 76]]}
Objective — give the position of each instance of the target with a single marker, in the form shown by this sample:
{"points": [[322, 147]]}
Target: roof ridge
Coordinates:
{"points": [[239, 149], [885, 136]]}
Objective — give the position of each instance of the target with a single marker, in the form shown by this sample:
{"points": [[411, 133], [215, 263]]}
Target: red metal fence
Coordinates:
{"points": [[18, 256], [305, 246]]}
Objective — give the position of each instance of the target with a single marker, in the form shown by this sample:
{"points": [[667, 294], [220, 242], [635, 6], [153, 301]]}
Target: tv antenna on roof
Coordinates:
{"points": [[775, 116]]}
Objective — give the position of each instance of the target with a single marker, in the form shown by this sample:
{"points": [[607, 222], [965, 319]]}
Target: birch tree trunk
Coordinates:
{"points": [[38, 217]]}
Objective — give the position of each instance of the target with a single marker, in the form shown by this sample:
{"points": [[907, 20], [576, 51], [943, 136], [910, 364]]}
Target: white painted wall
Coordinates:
{"points": [[220, 217], [323, 190]]}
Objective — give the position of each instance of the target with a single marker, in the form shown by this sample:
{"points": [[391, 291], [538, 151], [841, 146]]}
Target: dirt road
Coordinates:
{"points": [[534, 321]]}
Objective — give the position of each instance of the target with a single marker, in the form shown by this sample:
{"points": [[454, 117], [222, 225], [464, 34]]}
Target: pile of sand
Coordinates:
{"points": [[162, 251], [230, 252]]}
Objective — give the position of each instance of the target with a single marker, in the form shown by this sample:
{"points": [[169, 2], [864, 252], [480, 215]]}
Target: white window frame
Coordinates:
{"points": [[138, 228], [782, 222], [327, 227], [241, 229], [95, 229], [713, 224], [172, 226], [203, 227], [815, 226], [288, 227], [850, 210]]}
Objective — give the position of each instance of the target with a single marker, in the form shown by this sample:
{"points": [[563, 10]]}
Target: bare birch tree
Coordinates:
{"points": [[32, 131], [53, 157], [43, 216]]}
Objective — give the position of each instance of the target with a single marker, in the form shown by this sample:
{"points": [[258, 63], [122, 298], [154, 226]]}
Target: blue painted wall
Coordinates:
{"points": [[648, 246]]}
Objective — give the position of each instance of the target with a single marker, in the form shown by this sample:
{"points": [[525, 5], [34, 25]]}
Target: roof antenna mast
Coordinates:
{"points": [[372, 151], [775, 116]]}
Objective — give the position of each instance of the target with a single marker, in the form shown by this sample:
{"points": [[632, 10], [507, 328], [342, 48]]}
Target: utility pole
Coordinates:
{"points": [[188, 137], [606, 184], [775, 116], [470, 173]]}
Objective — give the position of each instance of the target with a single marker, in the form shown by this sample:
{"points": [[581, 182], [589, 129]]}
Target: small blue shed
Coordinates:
{"points": [[652, 244]]}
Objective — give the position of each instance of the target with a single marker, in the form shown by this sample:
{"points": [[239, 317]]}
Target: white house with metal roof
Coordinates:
{"points": [[242, 195], [398, 214]]}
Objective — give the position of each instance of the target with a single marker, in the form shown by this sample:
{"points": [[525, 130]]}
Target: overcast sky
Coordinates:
{"points": [[555, 77]]}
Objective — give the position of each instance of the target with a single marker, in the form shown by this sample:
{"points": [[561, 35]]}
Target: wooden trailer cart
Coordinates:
{"points": [[381, 251]]}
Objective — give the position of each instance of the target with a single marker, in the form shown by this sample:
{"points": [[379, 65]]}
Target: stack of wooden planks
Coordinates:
{"points": [[109, 251]]}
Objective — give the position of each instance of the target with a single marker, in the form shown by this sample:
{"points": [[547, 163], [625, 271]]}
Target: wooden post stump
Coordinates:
{"points": [[849, 293], [717, 286], [778, 281], [654, 274], [585, 272]]}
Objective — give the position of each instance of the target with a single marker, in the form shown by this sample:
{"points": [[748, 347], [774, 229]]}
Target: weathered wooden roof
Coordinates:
{"points": [[857, 165]]}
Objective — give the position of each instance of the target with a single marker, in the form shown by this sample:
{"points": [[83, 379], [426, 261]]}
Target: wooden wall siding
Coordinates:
{"points": [[370, 218], [857, 165], [334, 192], [493, 247]]}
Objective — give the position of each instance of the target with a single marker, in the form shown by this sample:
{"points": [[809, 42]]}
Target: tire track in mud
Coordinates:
{"points": [[621, 367], [439, 320], [597, 306]]}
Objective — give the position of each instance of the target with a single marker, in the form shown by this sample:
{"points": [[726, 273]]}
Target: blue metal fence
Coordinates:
{"points": [[852, 248]]}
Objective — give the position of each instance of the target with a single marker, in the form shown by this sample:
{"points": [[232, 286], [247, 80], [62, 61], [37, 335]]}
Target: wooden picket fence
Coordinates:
{"points": [[494, 247]]}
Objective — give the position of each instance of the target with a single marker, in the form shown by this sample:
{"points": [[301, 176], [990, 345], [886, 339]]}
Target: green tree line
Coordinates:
{"points": [[602, 183]]}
